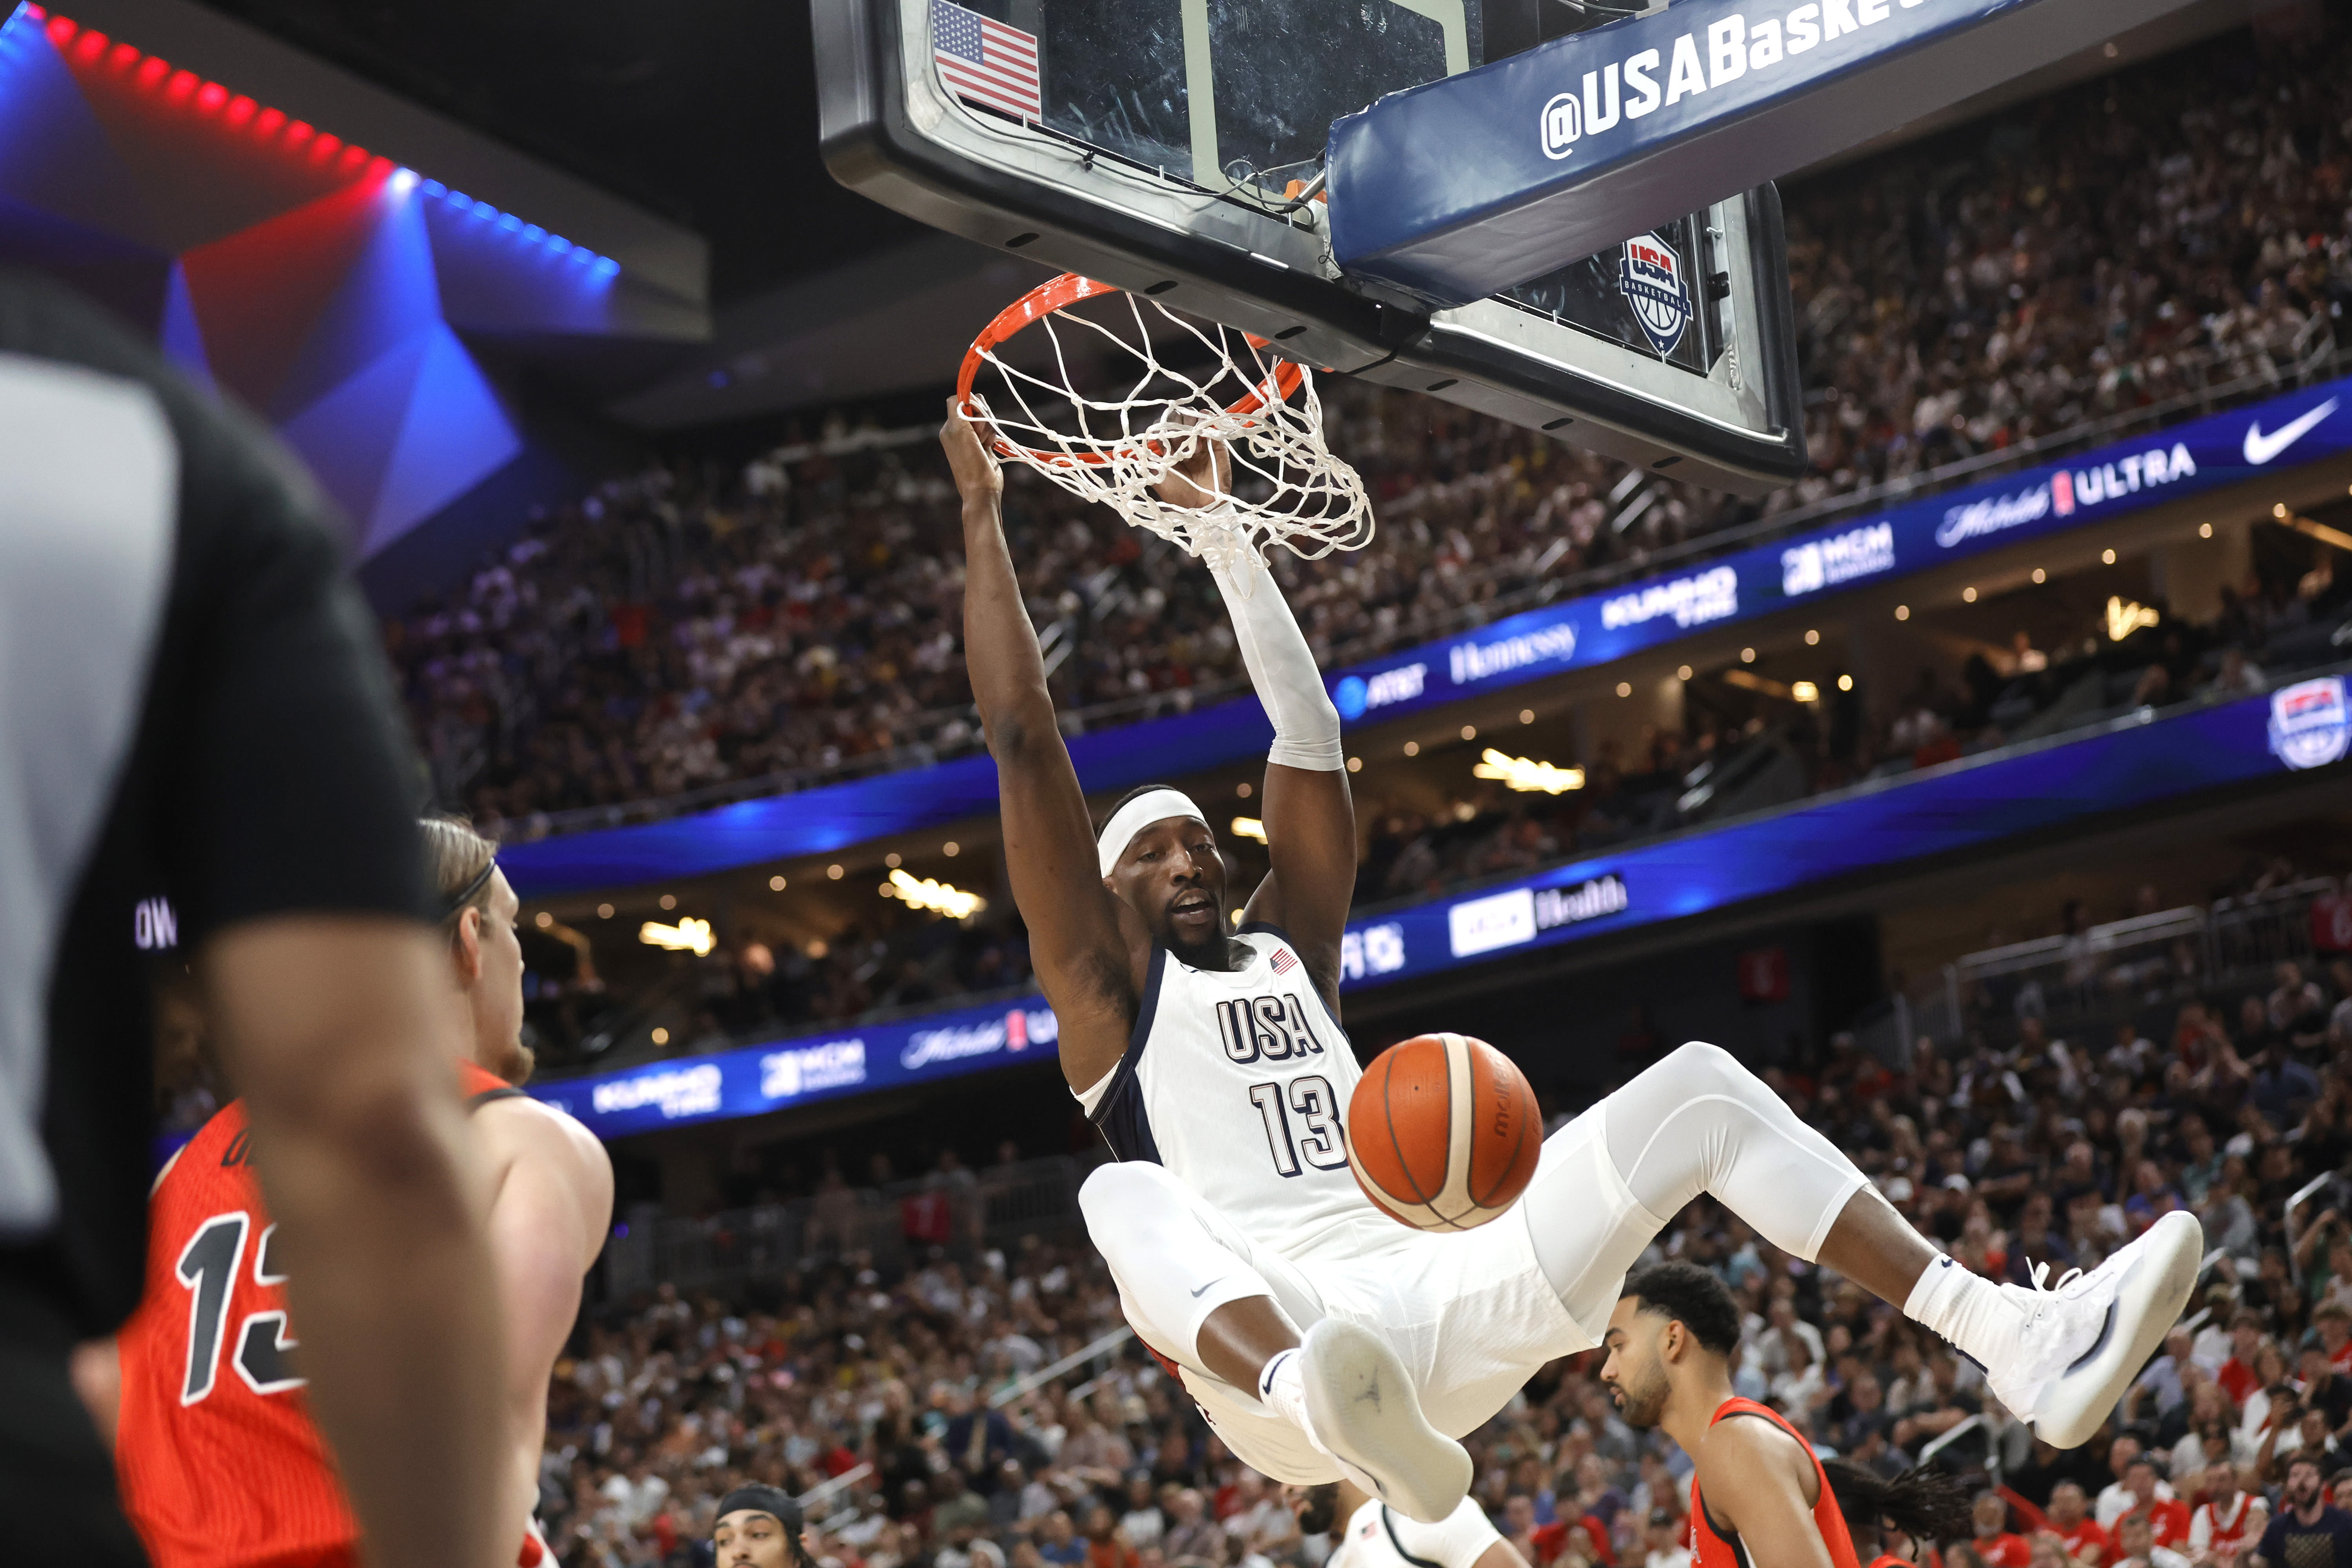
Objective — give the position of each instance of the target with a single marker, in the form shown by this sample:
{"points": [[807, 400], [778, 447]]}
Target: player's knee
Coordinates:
{"points": [[1124, 1199], [1703, 1068]]}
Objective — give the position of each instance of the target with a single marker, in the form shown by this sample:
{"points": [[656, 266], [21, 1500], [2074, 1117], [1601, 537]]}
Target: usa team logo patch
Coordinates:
{"points": [[2311, 725], [1650, 275], [1283, 963]]}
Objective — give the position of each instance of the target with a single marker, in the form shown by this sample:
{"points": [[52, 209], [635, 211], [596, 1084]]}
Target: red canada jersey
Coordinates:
{"points": [[2086, 1533], [2004, 1548], [1711, 1550], [219, 1463], [2224, 1532]]}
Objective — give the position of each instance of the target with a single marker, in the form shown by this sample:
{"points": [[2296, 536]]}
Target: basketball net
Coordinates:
{"points": [[1284, 484]]}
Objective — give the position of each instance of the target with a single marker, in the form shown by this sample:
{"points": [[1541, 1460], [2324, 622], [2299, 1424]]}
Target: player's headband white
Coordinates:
{"points": [[1139, 813]]}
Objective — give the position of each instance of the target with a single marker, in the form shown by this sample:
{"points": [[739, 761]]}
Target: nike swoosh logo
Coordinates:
{"points": [[1196, 1295], [2262, 449]]}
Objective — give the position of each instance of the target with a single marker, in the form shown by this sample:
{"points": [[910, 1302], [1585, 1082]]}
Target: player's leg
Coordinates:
{"points": [[1194, 1289], [1699, 1123], [1188, 1292]]}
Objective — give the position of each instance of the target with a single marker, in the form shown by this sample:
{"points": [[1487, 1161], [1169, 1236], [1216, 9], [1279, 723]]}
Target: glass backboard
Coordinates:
{"points": [[1174, 147]]}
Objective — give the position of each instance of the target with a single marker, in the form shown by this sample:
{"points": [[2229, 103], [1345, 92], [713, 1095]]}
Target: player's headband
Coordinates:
{"points": [[452, 907], [1138, 815]]}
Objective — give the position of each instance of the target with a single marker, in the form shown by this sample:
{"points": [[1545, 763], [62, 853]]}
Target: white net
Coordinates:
{"points": [[1170, 387]]}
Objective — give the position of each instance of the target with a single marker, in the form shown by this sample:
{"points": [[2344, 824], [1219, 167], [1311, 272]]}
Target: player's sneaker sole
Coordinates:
{"points": [[2148, 1302], [1368, 1414]]}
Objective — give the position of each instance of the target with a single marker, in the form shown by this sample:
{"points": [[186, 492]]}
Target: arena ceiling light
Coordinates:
{"points": [[2308, 527], [929, 894], [1249, 828], [91, 48], [689, 935], [2125, 616], [1526, 775], [1764, 685]]}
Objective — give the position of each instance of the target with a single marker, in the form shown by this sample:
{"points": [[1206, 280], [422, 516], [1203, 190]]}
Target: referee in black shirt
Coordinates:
{"points": [[192, 705]]}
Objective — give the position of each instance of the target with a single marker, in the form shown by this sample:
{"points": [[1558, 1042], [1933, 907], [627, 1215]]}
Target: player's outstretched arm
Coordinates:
{"points": [[333, 1031], [1309, 816], [1089, 947]]}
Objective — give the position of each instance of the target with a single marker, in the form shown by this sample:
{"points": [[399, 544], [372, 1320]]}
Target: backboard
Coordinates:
{"points": [[1160, 146]]}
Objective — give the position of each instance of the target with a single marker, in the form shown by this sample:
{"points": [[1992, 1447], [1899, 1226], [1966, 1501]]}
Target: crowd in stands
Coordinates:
{"points": [[1717, 765], [906, 1403], [2178, 226]]}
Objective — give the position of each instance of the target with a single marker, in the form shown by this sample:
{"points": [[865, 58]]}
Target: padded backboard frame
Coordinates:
{"points": [[892, 130]]}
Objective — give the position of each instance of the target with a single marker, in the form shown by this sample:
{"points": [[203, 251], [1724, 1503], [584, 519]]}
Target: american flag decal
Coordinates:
{"points": [[983, 59], [1283, 963]]}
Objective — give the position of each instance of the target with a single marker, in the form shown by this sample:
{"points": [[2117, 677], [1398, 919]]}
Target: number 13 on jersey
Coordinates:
{"points": [[1302, 1122], [208, 1267]]}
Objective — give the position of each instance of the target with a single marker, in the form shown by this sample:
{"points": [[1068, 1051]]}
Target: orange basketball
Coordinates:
{"points": [[1444, 1131]]}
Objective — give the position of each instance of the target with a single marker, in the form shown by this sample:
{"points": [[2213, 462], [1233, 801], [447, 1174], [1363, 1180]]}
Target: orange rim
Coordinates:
{"points": [[1056, 294]]}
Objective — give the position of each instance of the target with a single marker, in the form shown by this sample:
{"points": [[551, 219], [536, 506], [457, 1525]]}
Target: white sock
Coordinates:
{"points": [[1282, 1388], [1966, 1308]]}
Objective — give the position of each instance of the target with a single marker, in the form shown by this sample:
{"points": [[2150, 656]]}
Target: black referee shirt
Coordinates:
{"points": [[193, 706]]}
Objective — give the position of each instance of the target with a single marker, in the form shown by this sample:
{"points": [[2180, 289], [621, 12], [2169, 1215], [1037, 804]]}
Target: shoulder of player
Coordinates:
{"points": [[219, 1144], [1746, 1456], [519, 1126], [238, 486]]}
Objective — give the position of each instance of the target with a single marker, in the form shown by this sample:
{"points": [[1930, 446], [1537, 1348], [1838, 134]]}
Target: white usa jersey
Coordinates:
{"points": [[1380, 1537], [1235, 1083]]}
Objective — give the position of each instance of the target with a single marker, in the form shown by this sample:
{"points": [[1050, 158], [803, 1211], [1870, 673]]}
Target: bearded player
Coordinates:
{"points": [[1321, 1339], [219, 1463], [1759, 1494]]}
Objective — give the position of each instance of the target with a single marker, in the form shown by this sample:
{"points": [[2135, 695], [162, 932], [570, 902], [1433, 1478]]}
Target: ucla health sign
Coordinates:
{"points": [[785, 1073], [1462, 187], [2135, 761], [2224, 448]]}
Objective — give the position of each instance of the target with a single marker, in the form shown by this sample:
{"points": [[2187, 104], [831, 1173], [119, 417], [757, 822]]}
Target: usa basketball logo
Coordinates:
{"points": [[1650, 275], [2311, 724]]}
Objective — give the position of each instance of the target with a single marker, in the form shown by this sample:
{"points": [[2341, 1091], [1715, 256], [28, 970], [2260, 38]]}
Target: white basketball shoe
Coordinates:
{"points": [[2080, 1344], [1367, 1415]]}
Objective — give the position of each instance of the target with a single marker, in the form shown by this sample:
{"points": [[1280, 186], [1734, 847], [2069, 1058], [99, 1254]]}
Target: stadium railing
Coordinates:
{"points": [[2111, 974], [886, 1228]]}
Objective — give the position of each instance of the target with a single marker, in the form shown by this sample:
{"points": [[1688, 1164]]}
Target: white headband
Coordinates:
{"points": [[1139, 813]]}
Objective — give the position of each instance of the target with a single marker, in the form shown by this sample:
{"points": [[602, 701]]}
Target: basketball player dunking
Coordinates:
{"points": [[220, 1464], [1320, 1337]]}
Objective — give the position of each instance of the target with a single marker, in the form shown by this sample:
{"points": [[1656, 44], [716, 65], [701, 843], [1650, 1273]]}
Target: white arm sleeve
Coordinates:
{"points": [[1281, 668], [1457, 1541]]}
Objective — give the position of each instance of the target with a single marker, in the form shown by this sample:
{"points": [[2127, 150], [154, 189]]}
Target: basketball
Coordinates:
{"points": [[1444, 1131]]}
